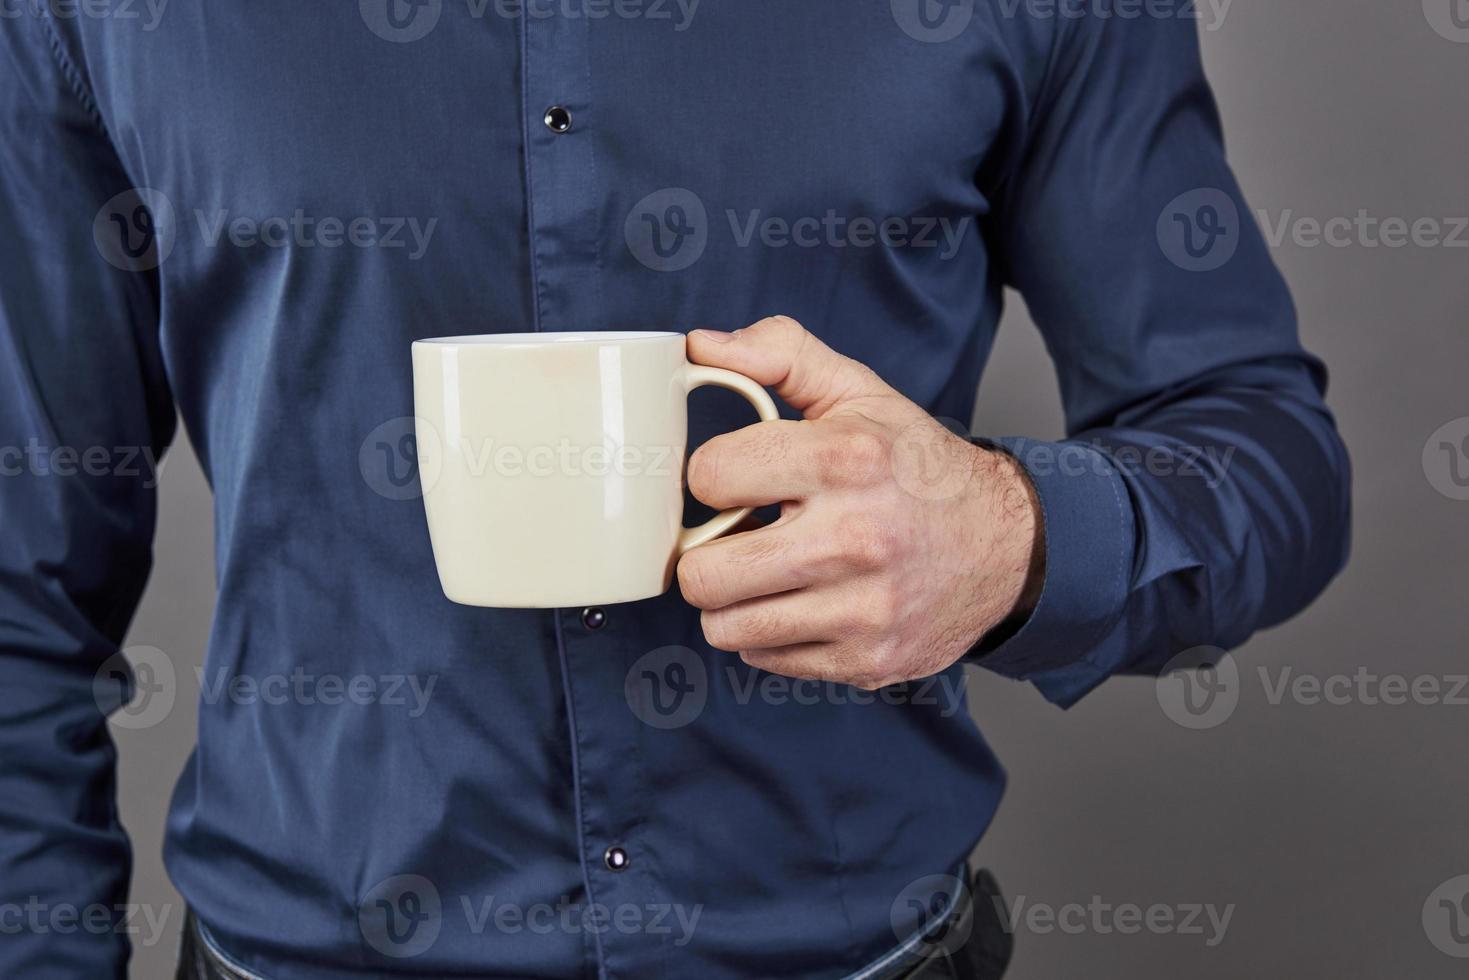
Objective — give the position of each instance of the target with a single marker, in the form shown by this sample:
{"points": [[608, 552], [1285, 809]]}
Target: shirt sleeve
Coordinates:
{"points": [[83, 406], [1202, 492]]}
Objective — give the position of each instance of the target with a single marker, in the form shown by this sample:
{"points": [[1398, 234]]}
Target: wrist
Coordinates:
{"points": [[1011, 510]]}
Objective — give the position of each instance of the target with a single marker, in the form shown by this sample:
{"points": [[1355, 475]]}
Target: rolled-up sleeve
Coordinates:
{"points": [[1202, 491], [84, 408]]}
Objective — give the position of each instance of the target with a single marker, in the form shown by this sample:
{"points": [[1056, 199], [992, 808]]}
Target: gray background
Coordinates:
{"points": [[1326, 826]]}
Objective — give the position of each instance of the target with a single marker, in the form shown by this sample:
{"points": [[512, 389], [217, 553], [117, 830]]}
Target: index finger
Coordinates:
{"points": [[771, 462]]}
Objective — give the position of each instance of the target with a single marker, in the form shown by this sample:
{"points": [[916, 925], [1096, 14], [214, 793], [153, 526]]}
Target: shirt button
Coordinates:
{"points": [[593, 618], [616, 859], [558, 119]]}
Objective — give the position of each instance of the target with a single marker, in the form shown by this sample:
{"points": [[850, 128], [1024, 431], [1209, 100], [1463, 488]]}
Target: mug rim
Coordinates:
{"points": [[547, 338]]}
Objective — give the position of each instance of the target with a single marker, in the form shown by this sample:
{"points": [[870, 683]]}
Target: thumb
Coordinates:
{"points": [[779, 353]]}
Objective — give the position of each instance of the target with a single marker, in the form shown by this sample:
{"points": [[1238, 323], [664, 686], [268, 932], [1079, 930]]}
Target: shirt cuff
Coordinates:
{"points": [[1090, 543]]}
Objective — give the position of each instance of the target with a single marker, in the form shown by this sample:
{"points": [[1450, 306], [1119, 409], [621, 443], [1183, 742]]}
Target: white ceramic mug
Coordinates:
{"points": [[552, 463]]}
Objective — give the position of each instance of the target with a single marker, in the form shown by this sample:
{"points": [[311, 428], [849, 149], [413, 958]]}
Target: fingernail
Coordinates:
{"points": [[718, 336]]}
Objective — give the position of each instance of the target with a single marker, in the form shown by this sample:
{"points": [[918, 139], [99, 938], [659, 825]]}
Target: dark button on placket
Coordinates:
{"points": [[616, 859], [593, 618], [558, 119]]}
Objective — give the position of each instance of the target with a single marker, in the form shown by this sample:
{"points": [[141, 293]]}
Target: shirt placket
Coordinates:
{"points": [[565, 196], [563, 187], [613, 812]]}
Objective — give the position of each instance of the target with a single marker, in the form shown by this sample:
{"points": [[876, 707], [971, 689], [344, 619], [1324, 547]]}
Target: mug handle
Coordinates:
{"points": [[696, 376]]}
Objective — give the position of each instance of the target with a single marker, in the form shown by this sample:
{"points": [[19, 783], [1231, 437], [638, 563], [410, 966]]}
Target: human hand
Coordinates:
{"points": [[877, 572]]}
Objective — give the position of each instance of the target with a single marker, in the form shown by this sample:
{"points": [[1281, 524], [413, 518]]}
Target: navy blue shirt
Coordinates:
{"points": [[241, 215]]}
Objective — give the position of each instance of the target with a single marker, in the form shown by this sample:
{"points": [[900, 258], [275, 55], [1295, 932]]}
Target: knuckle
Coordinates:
{"points": [[825, 557], [695, 580], [885, 658], [768, 443], [867, 453], [703, 472], [879, 610], [717, 631], [758, 627], [784, 326], [759, 549], [736, 630], [871, 545], [854, 458], [756, 659], [849, 664], [880, 667], [769, 661], [784, 334]]}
